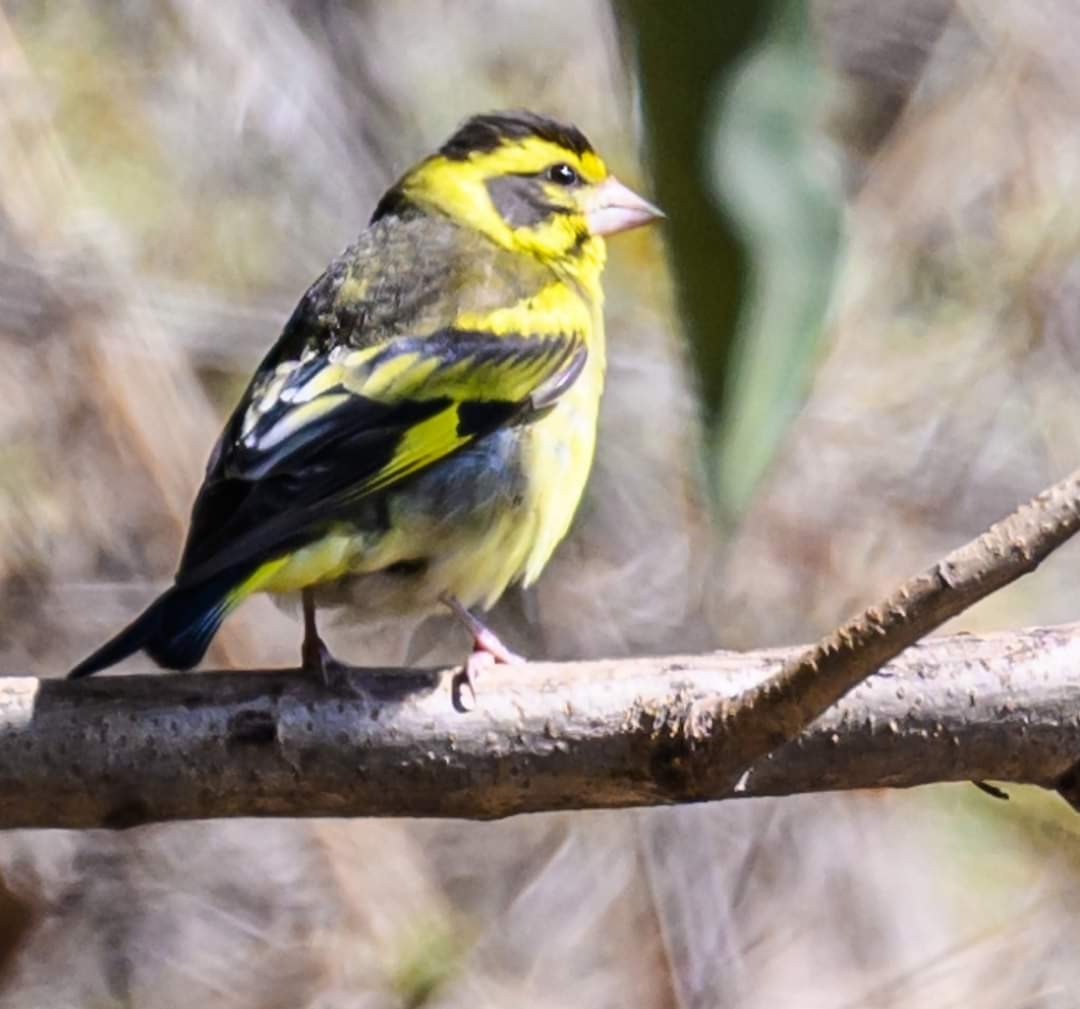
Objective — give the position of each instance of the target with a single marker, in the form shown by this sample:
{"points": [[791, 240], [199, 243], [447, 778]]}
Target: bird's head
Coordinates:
{"points": [[531, 184]]}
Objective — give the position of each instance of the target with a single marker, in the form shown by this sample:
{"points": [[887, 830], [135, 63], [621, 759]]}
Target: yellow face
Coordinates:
{"points": [[530, 184]]}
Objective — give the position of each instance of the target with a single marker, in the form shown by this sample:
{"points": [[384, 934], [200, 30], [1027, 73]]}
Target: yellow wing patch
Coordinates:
{"points": [[423, 443]]}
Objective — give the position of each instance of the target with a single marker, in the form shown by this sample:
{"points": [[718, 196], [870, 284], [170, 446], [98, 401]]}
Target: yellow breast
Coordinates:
{"points": [[558, 453], [476, 564], [557, 450]]}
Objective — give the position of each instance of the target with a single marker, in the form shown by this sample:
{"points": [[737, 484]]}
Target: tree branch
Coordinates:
{"points": [[119, 751], [126, 750], [733, 735]]}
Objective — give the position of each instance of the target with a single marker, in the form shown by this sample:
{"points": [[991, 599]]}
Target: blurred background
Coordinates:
{"points": [[853, 345]]}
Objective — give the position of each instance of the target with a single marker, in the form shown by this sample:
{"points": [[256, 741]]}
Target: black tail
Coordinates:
{"points": [[175, 630]]}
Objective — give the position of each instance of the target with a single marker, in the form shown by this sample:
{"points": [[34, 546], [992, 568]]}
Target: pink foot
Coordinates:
{"points": [[487, 651]]}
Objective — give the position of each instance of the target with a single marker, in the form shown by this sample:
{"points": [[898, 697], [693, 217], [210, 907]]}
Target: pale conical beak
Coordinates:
{"points": [[611, 207]]}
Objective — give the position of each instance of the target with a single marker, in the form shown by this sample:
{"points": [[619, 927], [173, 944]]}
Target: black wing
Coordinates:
{"points": [[335, 429]]}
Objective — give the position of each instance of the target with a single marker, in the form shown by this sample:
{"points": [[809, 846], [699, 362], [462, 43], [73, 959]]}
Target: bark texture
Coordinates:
{"points": [[125, 750]]}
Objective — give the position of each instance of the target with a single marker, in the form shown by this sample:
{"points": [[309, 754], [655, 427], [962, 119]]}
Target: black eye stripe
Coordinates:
{"points": [[521, 200]]}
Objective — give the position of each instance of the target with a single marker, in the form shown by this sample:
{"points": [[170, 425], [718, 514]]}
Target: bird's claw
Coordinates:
{"points": [[318, 659], [463, 685], [487, 651]]}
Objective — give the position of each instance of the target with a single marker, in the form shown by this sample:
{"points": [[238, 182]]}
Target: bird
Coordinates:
{"points": [[421, 433]]}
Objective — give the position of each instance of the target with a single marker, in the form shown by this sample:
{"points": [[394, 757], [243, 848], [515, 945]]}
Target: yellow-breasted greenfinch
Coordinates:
{"points": [[422, 431]]}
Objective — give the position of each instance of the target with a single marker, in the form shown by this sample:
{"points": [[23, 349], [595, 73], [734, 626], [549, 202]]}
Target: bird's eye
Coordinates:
{"points": [[562, 175]]}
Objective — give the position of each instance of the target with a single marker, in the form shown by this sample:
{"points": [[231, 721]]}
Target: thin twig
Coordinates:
{"points": [[739, 732]]}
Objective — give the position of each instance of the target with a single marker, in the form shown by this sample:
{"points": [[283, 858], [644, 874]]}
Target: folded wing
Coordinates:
{"points": [[327, 432]]}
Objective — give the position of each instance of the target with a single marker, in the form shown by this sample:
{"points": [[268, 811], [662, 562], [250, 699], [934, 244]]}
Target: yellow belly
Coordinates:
{"points": [[476, 561], [557, 454]]}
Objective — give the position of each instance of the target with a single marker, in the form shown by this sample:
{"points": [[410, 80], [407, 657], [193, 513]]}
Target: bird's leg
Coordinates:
{"points": [[486, 651], [314, 655], [485, 640]]}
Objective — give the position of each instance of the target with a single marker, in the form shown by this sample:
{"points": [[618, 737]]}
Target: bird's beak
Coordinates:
{"points": [[611, 207]]}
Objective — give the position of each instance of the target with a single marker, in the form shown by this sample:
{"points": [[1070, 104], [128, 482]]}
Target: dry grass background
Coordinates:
{"points": [[171, 178]]}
